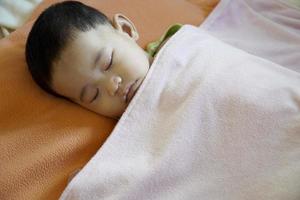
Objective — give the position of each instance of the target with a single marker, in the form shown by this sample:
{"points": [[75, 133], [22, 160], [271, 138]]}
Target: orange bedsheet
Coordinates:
{"points": [[43, 139]]}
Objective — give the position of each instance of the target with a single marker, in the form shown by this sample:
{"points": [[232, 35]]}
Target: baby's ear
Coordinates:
{"points": [[124, 25]]}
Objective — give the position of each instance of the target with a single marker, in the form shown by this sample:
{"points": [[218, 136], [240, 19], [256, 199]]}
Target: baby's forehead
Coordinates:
{"points": [[82, 44], [81, 49], [101, 32]]}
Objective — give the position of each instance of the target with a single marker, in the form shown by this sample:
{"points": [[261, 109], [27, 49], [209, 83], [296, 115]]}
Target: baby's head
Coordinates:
{"points": [[74, 51]]}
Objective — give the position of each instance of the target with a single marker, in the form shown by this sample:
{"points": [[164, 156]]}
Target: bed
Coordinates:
{"points": [[44, 140], [217, 117]]}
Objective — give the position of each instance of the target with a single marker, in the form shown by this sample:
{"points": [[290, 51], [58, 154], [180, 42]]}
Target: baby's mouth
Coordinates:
{"points": [[131, 91]]}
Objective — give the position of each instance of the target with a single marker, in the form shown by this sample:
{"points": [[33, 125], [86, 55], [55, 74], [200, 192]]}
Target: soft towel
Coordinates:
{"points": [[13, 14], [209, 122]]}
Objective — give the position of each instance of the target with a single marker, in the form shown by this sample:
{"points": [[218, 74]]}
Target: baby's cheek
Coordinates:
{"points": [[110, 106]]}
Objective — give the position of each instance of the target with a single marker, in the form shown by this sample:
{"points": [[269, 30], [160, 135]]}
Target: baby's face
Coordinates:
{"points": [[101, 70]]}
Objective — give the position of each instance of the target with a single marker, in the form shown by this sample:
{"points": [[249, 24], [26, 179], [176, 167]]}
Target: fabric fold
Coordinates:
{"points": [[210, 121]]}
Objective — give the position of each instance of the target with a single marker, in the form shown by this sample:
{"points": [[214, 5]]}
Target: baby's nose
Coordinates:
{"points": [[113, 85]]}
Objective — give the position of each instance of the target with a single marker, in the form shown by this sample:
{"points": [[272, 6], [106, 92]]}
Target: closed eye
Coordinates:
{"points": [[96, 95], [110, 62], [89, 93]]}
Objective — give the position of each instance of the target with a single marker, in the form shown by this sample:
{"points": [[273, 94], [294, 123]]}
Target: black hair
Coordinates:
{"points": [[50, 33]]}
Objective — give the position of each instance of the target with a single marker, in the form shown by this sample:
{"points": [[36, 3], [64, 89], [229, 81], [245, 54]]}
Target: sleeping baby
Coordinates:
{"points": [[74, 51]]}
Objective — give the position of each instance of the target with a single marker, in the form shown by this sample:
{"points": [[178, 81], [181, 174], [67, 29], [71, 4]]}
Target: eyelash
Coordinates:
{"points": [[110, 63], [96, 95]]}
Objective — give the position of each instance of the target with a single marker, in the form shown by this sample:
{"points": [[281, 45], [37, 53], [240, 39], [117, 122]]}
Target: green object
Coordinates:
{"points": [[153, 47]]}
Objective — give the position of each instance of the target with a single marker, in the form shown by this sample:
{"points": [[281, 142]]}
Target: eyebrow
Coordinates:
{"points": [[97, 58]]}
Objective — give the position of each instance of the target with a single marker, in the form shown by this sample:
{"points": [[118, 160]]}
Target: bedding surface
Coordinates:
{"points": [[43, 139], [14, 14], [269, 29], [210, 121]]}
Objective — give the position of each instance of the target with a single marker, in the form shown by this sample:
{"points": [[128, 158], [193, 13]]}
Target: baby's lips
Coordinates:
{"points": [[132, 91]]}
